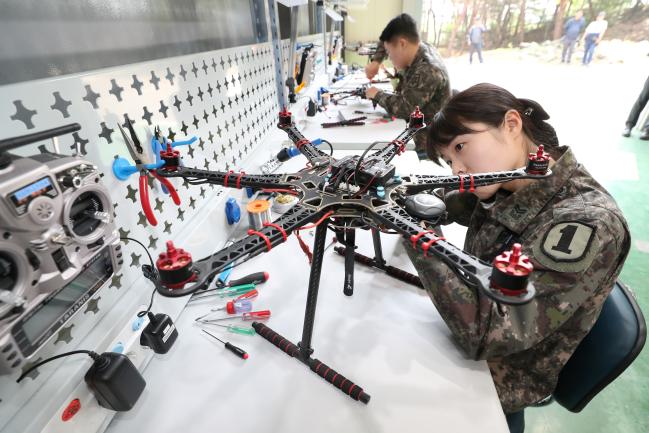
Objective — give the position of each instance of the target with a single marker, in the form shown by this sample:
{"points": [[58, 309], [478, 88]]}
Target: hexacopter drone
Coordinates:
{"points": [[354, 192]]}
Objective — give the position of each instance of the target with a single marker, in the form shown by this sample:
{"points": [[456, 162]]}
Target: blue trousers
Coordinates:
{"points": [[475, 47], [589, 47]]}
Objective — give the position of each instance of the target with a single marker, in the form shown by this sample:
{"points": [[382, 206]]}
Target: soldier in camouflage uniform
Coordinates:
{"points": [[570, 227], [424, 79]]}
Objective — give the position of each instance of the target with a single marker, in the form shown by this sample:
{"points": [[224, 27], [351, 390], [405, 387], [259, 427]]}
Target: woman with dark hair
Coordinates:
{"points": [[570, 227]]}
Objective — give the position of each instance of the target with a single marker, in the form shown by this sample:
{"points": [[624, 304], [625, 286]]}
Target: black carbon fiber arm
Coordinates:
{"points": [[257, 242]]}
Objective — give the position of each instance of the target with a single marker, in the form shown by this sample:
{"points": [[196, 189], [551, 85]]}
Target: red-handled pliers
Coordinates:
{"points": [[137, 153]]}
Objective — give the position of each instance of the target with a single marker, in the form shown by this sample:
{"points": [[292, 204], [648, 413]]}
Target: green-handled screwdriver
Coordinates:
{"points": [[234, 329], [232, 348]]}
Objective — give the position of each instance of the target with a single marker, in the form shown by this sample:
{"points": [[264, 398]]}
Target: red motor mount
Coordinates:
{"points": [[171, 158], [285, 118], [175, 267], [511, 271], [539, 162], [416, 119]]}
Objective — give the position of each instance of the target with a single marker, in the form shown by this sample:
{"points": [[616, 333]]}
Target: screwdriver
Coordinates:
{"points": [[234, 329], [252, 315], [230, 291], [234, 349], [248, 295], [232, 307]]}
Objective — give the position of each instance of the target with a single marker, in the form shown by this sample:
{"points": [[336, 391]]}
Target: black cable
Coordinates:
{"points": [[153, 269], [93, 355], [331, 148], [360, 160], [142, 245]]}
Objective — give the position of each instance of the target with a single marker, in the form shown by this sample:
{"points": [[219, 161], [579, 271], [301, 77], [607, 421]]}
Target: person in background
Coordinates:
{"points": [[424, 79], [475, 39], [636, 110], [592, 37], [571, 32]]}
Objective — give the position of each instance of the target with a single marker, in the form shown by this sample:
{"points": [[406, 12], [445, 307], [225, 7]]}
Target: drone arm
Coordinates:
{"points": [[465, 182], [471, 269], [313, 154], [228, 179], [257, 242], [398, 145]]}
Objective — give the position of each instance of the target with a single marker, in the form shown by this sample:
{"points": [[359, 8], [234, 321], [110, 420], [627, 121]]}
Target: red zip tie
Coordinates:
{"points": [[415, 238], [471, 186], [351, 389], [430, 243], [282, 190], [461, 183], [263, 236], [304, 246], [225, 182], [301, 143], [317, 223], [275, 226], [402, 146], [238, 184]]}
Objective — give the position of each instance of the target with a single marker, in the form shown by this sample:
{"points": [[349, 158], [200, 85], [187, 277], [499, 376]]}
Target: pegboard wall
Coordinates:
{"points": [[317, 41], [226, 98]]}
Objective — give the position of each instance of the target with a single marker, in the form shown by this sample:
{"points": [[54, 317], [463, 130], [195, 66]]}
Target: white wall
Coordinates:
{"points": [[370, 21]]}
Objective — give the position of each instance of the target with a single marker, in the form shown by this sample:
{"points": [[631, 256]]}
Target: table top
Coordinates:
{"points": [[375, 128], [388, 338]]}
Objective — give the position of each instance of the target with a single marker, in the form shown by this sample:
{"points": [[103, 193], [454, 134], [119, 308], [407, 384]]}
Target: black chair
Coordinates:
{"points": [[610, 347]]}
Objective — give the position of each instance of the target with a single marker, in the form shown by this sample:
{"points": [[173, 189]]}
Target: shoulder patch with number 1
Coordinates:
{"points": [[567, 247]]}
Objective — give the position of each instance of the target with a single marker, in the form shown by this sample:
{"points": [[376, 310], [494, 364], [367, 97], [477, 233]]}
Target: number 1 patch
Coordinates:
{"points": [[567, 247]]}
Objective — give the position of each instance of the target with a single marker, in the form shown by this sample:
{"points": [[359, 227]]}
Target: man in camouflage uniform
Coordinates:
{"points": [[424, 80], [576, 238]]}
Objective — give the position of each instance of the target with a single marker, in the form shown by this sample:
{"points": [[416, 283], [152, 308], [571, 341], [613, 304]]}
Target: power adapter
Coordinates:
{"points": [[112, 378], [115, 381], [160, 334]]}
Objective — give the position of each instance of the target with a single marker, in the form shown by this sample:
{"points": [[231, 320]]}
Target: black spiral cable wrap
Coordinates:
{"points": [[318, 367]]}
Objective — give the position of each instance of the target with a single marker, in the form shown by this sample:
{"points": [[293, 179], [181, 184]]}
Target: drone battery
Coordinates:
{"points": [[115, 381]]}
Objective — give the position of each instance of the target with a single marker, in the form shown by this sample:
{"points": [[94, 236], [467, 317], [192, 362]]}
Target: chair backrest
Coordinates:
{"points": [[610, 347]]}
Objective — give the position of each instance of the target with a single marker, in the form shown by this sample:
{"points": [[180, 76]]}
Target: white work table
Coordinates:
{"points": [[388, 338], [348, 136]]}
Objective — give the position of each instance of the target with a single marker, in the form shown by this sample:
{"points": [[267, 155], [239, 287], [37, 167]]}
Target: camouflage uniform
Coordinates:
{"points": [[577, 239], [424, 83]]}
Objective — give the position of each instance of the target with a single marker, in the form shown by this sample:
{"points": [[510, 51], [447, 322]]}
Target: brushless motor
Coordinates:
{"points": [[539, 162], [175, 267], [511, 271]]}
